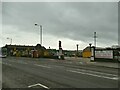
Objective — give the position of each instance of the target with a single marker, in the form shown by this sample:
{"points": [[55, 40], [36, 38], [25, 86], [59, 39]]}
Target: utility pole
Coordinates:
{"points": [[95, 36]]}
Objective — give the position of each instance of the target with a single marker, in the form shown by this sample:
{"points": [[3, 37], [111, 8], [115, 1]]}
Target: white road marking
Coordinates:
{"points": [[22, 62], [81, 62], [113, 78], [42, 66], [11, 61], [25, 63], [90, 62], [7, 64], [55, 66], [53, 59], [19, 62], [97, 72], [69, 62], [38, 84]]}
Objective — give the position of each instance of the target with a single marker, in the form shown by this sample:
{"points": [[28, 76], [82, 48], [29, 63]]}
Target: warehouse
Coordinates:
{"points": [[22, 50]]}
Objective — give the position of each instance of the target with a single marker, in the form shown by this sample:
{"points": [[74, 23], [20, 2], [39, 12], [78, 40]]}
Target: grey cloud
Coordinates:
{"points": [[75, 20]]}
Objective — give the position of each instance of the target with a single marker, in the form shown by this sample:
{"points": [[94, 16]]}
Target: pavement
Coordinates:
{"points": [[95, 63], [29, 73]]}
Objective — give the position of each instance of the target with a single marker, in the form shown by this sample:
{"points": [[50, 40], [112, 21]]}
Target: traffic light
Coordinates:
{"points": [[59, 44]]}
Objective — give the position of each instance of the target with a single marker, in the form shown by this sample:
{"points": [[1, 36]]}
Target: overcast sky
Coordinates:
{"points": [[71, 22]]}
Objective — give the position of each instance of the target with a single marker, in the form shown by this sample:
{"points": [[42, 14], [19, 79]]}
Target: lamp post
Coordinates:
{"points": [[40, 28], [90, 49], [10, 40], [90, 46]]}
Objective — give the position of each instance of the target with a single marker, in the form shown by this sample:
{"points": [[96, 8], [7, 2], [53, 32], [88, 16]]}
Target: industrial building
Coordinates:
{"points": [[29, 51], [22, 50], [100, 53]]}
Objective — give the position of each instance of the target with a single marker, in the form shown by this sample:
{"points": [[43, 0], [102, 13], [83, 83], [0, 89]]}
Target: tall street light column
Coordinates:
{"points": [[10, 40], [40, 28]]}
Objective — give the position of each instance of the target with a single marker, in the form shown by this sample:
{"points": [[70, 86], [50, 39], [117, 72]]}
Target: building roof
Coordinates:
{"points": [[24, 46], [88, 48]]}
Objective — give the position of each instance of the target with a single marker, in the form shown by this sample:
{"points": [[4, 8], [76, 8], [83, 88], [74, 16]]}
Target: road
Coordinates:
{"points": [[49, 73]]}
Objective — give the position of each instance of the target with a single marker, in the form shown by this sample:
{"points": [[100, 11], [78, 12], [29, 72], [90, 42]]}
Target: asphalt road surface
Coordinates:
{"points": [[50, 73]]}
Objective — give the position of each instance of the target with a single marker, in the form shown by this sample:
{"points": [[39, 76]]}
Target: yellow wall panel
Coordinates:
{"points": [[86, 54]]}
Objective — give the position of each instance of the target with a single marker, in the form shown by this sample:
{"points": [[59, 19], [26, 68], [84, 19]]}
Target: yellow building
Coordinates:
{"points": [[86, 52], [46, 53]]}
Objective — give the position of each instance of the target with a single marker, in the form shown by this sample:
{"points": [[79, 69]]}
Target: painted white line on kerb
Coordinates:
{"points": [[42, 66], [38, 84], [113, 78]]}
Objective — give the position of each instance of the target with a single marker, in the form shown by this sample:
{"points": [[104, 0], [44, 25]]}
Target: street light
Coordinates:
{"points": [[10, 40], [90, 46], [40, 28]]}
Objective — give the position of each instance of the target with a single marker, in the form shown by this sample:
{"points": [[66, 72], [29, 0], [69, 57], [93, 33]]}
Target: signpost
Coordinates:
{"points": [[108, 54]]}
